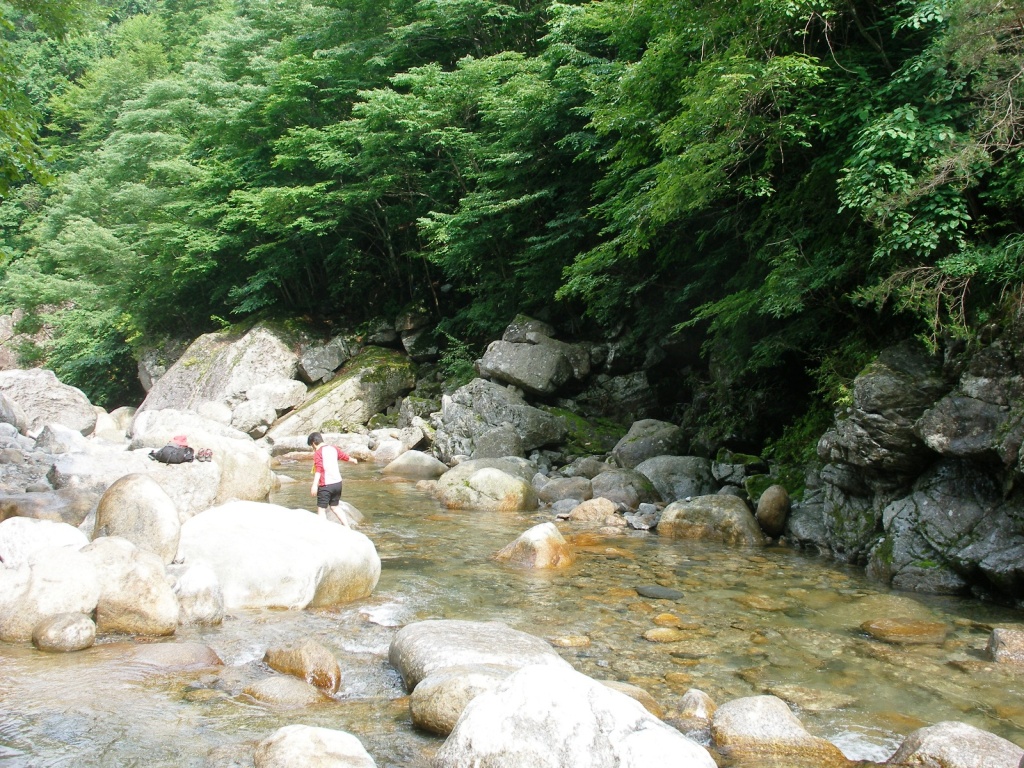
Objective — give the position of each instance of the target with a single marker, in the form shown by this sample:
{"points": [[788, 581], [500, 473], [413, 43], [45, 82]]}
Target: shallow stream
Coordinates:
{"points": [[764, 621]]}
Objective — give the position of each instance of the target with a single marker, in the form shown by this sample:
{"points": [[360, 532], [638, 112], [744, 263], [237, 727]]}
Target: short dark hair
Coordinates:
{"points": [[314, 439]]}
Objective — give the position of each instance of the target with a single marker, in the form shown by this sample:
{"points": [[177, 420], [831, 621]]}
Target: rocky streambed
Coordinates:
{"points": [[664, 615]]}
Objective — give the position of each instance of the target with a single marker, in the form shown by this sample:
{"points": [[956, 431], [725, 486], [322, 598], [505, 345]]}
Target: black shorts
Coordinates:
{"points": [[328, 495]]}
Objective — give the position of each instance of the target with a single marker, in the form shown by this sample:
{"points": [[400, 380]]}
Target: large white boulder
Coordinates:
{"points": [[245, 471], [21, 537], [425, 648], [543, 717], [221, 367], [135, 595], [45, 400], [269, 556], [54, 580], [137, 508]]}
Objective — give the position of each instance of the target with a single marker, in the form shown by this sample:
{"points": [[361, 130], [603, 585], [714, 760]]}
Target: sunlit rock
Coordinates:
{"points": [[285, 691], [559, 718], [438, 701], [200, 600], [21, 537], [43, 399], [491, 484], [54, 580], [310, 747], [135, 596], [269, 556], [954, 744], [138, 509], [64, 632], [764, 727], [307, 660], [426, 647], [542, 546], [415, 465]]}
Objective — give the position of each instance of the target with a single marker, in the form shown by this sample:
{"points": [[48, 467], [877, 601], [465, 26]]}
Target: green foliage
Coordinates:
{"points": [[786, 184], [457, 362]]}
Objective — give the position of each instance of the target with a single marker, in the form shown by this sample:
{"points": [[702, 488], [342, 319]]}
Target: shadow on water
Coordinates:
{"points": [[749, 622]]}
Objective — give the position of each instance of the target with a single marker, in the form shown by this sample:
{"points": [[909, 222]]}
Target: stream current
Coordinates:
{"points": [[752, 622]]}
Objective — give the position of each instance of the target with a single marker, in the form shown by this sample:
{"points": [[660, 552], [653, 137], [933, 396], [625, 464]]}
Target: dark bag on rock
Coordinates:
{"points": [[173, 454]]}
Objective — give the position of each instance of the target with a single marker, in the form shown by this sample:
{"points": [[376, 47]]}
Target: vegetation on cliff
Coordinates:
{"points": [[785, 185]]}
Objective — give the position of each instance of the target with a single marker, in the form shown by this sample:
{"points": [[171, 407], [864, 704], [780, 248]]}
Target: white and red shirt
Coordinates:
{"points": [[325, 461]]}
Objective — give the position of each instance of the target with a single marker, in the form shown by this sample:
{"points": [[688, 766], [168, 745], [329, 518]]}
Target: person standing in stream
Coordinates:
{"points": [[327, 477]]}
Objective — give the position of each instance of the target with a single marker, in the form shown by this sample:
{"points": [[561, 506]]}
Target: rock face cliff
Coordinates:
{"points": [[921, 475]]}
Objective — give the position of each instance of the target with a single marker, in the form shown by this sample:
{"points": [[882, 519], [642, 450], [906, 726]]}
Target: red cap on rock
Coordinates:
{"points": [[179, 440]]}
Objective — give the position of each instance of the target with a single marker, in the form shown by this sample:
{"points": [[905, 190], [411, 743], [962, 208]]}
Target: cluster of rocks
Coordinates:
{"points": [[920, 478]]}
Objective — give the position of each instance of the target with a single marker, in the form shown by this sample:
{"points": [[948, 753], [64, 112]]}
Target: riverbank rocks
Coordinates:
{"points": [[646, 439], [221, 366], [559, 718], [22, 537], [415, 465], [135, 596], [481, 406], [12, 413], [721, 518], [307, 660], [676, 477], [956, 745], [489, 484], [269, 556], [305, 745], [422, 649], [368, 384], [64, 633], [541, 547], [764, 728], [136, 508], [538, 364], [53, 581], [43, 399]]}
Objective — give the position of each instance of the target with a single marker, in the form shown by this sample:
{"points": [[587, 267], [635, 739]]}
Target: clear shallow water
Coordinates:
{"points": [[766, 621]]}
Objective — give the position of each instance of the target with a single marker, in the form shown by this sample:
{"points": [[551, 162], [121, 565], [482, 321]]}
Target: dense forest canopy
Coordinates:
{"points": [[785, 184]]}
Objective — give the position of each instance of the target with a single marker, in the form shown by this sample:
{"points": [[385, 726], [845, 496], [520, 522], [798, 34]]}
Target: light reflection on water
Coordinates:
{"points": [[753, 621]]}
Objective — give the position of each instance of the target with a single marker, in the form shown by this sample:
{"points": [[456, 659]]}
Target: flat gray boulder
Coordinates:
{"points": [[368, 384], [425, 648], [646, 439], [43, 399], [676, 477]]}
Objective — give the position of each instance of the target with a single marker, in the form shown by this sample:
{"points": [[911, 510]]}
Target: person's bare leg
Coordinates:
{"points": [[322, 512], [342, 517]]}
